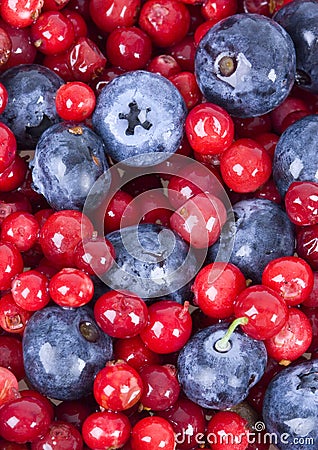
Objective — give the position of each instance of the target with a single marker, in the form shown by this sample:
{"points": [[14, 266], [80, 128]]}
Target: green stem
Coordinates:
{"points": [[223, 344]]}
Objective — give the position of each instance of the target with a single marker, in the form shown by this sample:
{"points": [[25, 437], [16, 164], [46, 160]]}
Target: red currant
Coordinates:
{"points": [[218, 9], [135, 352], [75, 101], [9, 387], [301, 202], [60, 435], [85, 60], [110, 14], [165, 65], [152, 432], [119, 213], [78, 22], [307, 245], [30, 290], [227, 430], [188, 88], [13, 176], [8, 143], [20, 14], [11, 355], [21, 229], [94, 255], [11, 264], [71, 288]]}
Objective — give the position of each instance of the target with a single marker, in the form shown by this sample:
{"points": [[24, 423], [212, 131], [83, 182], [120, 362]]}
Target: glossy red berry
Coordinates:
{"points": [[24, 420], [47, 404], [292, 340], [218, 9], [7, 445], [54, 5], [13, 319], [312, 300], [106, 429], [9, 387], [11, 264], [118, 386], [128, 48], [288, 106], [94, 255], [71, 288], [60, 65], [85, 60], [165, 21], [52, 33], [60, 435], [169, 326], [268, 141], [301, 202], [74, 412], [5, 47], [60, 235], [291, 277], [184, 52], [307, 244], [110, 14], [21, 229], [119, 214], [245, 166], [154, 207], [202, 30], [30, 290], [160, 387], [199, 220], [121, 314], [152, 432], [265, 309], [215, 288], [231, 425], [78, 22], [188, 88], [22, 49], [11, 356], [11, 202], [13, 176], [249, 127], [8, 143], [75, 101], [20, 14], [165, 65], [209, 129], [135, 352]]}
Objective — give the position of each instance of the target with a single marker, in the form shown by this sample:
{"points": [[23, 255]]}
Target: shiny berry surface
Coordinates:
{"points": [[60, 435], [13, 318], [106, 430], [71, 288], [110, 14], [209, 129], [118, 386], [292, 340], [160, 387], [152, 432], [135, 352], [312, 300], [228, 423], [75, 101], [266, 311], [24, 420], [94, 255], [169, 327], [301, 202], [8, 144], [11, 355], [215, 288], [73, 412], [30, 290], [20, 14], [13, 176], [8, 386], [85, 60], [118, 212], [21, 229], [11, 264], [291, 277], [165, 65], [121, 314], [188, 88], [307, 245]]}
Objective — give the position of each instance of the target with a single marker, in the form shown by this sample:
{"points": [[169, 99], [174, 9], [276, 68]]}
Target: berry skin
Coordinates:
{"points": [[135, 352], [11, 355], [266, 311], [13, 319], [60, 434], [227, 430], [291, 277], [121, 314], [215, 288], [245, 166], [71, 288], [9, 386], [169, 327], [306, 247], [152, 432], [94, 255], [106, 430], [110, 14], [22, 14], [292, 340], [188, 87], [117, 386], [75, 101], [30, 290], [11, 264], [21, 229], [301, 203], [8, 144], [209, 129]]}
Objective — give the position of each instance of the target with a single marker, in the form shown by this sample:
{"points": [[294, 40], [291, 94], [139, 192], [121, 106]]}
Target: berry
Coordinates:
{"points": [[301, 203], [8, 386], [152, 432], [13, 318], [71, 288], [75, 101], [227, 430], [94, 255], [135, 352], [114, 13], [11, 264], [11, 355], [60, 434], [21, 229], [8, 144], [30, 290]]}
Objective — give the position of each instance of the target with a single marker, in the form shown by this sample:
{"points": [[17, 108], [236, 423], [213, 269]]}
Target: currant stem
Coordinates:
{"points": [[223, 344]]}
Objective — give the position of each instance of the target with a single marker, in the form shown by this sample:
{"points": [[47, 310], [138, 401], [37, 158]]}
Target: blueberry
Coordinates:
{"points": [[140, 115], [220, 380], [290, 408], [260, 233], [151, 261], [296, 156], [246, 64], [63, 349], [69, 159], [300, 19], [31, 103]]}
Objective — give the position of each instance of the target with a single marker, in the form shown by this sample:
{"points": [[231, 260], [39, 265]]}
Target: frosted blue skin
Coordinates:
{"points": [[167, 114], [296, 156], [220, 380], [59, 362], [291, 407], [300, 19], [262, 232], [67, 164], [31, 102], [149, 268], [266, 64]]}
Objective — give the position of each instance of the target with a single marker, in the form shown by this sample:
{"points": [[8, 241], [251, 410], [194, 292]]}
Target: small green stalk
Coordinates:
{"points": [[223, 345]]}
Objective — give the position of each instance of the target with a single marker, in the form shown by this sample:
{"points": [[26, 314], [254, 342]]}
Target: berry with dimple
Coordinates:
{"points": [[228, 431], [169, 326], [118, 386], [121, 314], [71, 288], [266, 311], [75, 101], [13, 318], [292, 340], [306, 244], [291, 277], [152, 432], [301, 202], [60, 435], [30, 290], [106, 430], [9, 387], [215, 288], [21, 229]]}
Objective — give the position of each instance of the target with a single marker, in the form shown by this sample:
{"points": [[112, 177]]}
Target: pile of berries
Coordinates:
{"points": [[158, 224]]}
